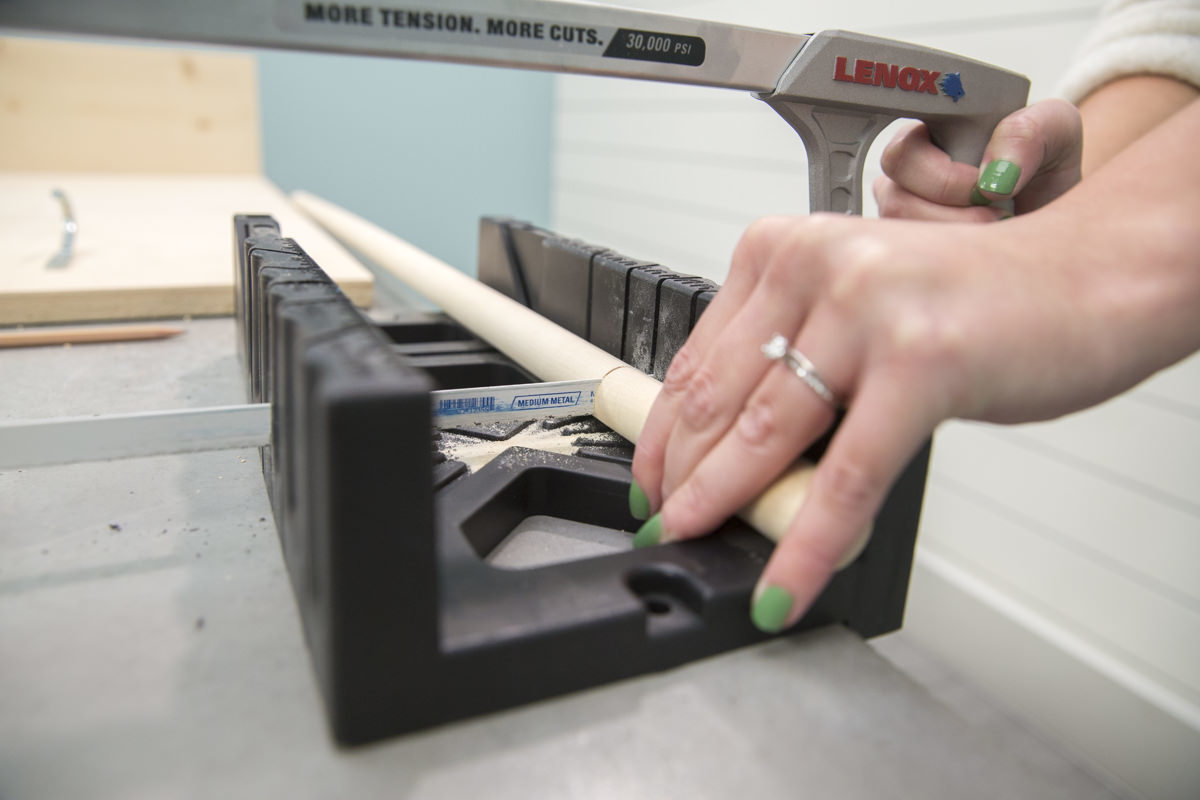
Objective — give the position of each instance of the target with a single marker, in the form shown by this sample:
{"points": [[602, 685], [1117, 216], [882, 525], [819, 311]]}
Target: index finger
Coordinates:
{"points": [[749, 260], [922, 168]]}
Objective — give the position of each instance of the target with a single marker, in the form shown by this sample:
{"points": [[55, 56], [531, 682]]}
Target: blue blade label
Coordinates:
{"points": [[567, 398]]}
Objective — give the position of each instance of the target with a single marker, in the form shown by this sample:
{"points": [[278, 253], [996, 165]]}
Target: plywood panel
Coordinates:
{"points": [[147, 246], [70, 106]]}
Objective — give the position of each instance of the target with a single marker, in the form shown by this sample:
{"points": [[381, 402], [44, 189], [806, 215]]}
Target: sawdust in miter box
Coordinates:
{"points": [[545, 434]]}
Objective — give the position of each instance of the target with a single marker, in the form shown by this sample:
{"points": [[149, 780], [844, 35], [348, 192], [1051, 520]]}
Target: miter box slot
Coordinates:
{"points": [[437, 348], [273, 271], [264, 230], [425, 329], [469, 370], [528, 243], [565, 293], [498, 265], [512, 258], [677, 314], [425, 334], [450, 354], [609, 300], [641, 316], [277, 348]]}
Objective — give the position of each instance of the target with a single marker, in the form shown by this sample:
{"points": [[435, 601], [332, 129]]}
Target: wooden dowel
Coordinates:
{"points": [[548, 351], [37, 337]]}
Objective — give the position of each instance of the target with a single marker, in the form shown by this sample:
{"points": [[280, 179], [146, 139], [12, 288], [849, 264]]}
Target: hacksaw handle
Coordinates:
{"points": [[844, 88]]}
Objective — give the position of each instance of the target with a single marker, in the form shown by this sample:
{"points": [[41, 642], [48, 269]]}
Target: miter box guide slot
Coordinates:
{"points": [[637, 311], [387, 541]]}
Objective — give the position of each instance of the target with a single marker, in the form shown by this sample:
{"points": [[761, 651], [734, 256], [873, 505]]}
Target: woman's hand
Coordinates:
{"points": [[1032, 158], [907, 325]]}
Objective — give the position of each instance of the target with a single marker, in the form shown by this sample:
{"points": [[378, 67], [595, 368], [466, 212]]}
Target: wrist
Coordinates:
{"points": [[1131, 262]]}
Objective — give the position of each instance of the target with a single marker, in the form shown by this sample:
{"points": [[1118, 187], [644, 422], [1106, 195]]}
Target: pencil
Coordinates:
{"points": [[38, 337]]}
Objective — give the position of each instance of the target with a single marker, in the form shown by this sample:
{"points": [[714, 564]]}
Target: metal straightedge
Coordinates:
{"points": [[68, 440]]}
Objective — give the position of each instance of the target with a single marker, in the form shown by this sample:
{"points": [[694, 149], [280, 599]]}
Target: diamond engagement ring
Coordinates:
{"points": [[777, 349]]}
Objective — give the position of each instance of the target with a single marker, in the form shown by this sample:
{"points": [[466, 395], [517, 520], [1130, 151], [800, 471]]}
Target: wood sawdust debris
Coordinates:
{"points": [[547, 436]]}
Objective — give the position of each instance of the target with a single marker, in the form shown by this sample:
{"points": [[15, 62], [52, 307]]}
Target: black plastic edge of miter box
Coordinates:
{"points": [[386, 539]]}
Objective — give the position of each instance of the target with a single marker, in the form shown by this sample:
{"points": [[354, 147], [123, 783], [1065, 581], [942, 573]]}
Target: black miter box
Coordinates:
{"points": [[392, 543]]}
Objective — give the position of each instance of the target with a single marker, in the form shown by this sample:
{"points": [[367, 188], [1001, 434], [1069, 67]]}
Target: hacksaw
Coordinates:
{"points": [[837, 89]]}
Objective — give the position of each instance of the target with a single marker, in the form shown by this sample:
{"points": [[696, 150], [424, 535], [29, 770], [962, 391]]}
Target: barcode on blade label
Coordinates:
{"points": [[464, 405], [566, 398]]}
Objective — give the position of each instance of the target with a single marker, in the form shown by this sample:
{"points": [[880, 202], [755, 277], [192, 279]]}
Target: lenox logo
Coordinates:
{"points": [[894, 76]]}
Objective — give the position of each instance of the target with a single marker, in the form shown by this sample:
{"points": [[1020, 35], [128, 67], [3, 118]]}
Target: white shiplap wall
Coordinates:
{"points": [[1059, 563]]}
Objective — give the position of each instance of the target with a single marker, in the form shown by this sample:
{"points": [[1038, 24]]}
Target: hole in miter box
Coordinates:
{"points": [[665, 588], [657, 605], [543, 514]]}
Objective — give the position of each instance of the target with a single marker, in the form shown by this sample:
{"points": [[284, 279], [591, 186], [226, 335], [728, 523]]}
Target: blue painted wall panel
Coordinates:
{"points": [[422, 149]]}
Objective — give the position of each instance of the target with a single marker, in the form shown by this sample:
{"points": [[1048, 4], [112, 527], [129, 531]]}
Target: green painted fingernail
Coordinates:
{"points": [[649, 533], [999, 177], [977, 199], [639, 505], [771, 609]]}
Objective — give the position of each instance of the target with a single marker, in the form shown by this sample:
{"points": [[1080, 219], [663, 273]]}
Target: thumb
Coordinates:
{"points": [[1034, 153]]}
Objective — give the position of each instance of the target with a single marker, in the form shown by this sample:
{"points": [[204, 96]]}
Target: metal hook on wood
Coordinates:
{"points": [[69, 228]]}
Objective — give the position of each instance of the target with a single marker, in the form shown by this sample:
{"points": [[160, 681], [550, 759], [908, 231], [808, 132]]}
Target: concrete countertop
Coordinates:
{"points": [[150, 647]]}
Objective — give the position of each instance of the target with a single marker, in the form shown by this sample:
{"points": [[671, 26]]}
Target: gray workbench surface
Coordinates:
{"points": [[149, 647]]}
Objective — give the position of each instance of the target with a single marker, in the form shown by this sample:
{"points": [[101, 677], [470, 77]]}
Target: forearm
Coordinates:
{"points": [[1135, 225], [1119, 113]]}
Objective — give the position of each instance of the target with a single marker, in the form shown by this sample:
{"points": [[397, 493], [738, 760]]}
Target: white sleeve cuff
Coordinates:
{"points": [[1138, 37]]}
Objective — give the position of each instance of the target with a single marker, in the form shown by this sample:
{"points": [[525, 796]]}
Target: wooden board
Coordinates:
{"points": [[74, 106], [147, 246]]}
